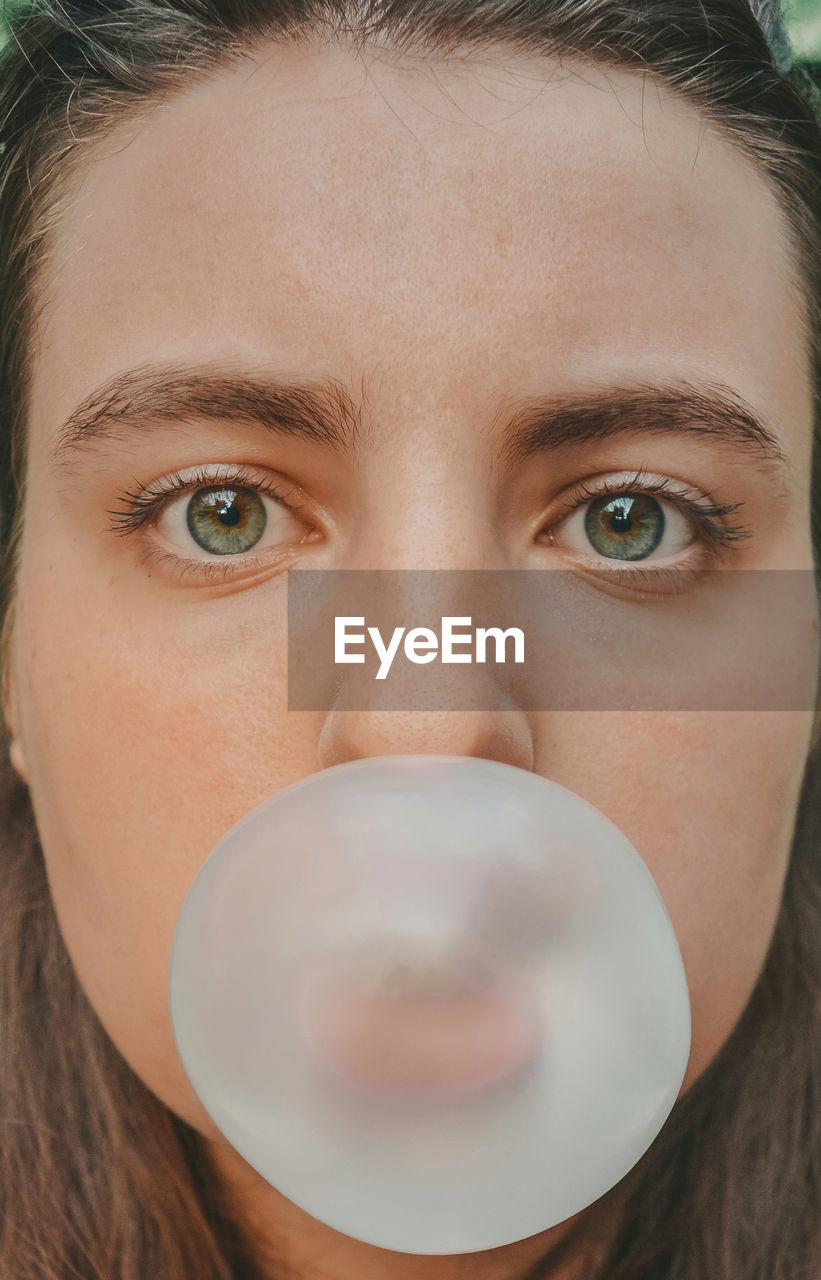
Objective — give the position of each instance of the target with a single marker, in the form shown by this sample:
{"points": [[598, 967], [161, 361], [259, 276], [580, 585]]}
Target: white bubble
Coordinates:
{"points": [[436, 1001]]}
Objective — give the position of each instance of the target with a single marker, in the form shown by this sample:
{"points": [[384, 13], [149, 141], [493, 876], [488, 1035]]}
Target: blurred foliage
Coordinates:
{"points": [[804, 20], [7, 6]]}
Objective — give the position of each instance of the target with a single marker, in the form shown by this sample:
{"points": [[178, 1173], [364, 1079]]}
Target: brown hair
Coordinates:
{"points": [[97, 1178]]}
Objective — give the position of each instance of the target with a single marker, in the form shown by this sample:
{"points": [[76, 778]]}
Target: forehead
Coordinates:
{"points": [[493, 225]]}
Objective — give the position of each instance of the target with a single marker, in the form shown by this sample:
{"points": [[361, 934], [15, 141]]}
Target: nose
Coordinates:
{"points": [[411, 539], [434, 709]]}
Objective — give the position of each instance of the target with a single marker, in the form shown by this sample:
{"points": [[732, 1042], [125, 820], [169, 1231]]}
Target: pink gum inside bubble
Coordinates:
{"points": [[414, 1029]]}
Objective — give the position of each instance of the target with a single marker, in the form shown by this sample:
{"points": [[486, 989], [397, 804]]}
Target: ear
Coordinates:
{"points": [[18, 760], [12, 719]]}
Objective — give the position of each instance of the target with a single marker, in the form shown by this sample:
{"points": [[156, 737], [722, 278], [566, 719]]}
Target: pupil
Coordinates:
{"points": [[620, 521], [229, 514]]}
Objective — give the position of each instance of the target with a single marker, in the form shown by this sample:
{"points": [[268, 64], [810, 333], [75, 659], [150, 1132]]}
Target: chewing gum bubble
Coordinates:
{"points": [[436, 1001]]}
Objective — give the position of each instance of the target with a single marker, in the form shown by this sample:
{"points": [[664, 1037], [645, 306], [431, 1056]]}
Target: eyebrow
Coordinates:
{"points": [[154, 396], [324, 412], [705, 409]]}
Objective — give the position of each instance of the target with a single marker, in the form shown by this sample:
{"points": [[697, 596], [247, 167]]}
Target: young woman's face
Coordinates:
{"points": [[441, 243]]}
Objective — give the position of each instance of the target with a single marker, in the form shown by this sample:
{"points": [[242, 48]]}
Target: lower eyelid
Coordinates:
{"points": [[219, 569]]}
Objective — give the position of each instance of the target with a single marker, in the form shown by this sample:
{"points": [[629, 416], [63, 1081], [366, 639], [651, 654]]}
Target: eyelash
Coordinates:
{"points": [[147, 502], [710, 518]]}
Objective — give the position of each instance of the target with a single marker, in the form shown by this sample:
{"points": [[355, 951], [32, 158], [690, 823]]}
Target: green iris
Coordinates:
{"points": [[624, 526], [226, 521]]}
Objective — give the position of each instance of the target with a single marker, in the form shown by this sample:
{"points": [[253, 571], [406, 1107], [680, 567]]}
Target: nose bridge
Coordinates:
{"points": [[426, 515], [426, 498]]}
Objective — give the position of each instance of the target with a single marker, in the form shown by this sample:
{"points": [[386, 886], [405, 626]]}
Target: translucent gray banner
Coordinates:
{"points": [[541, 640]]}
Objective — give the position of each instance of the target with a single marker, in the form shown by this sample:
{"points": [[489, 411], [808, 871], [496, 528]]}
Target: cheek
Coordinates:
{"points": [[709, 800], [144, 743]]}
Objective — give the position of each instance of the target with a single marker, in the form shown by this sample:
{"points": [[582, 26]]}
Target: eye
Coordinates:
{"points": [[227, 521], [625, 526], [625, 519], [197, 516]]}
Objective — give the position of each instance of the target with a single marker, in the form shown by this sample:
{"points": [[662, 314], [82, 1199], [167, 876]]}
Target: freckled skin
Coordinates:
{"points": [[312, 215]]}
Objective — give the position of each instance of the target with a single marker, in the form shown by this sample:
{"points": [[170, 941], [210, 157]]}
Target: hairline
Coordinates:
{"points": [[131, 114]]}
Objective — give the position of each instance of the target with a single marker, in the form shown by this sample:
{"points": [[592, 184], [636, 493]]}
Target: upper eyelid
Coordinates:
{"points": [[277, 490], [648, 482], [159, 494], [708, 517], [640, 479], [238, 474]]}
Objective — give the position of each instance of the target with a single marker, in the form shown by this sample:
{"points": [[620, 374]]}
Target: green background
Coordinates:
{"points": [[805, 29]]}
